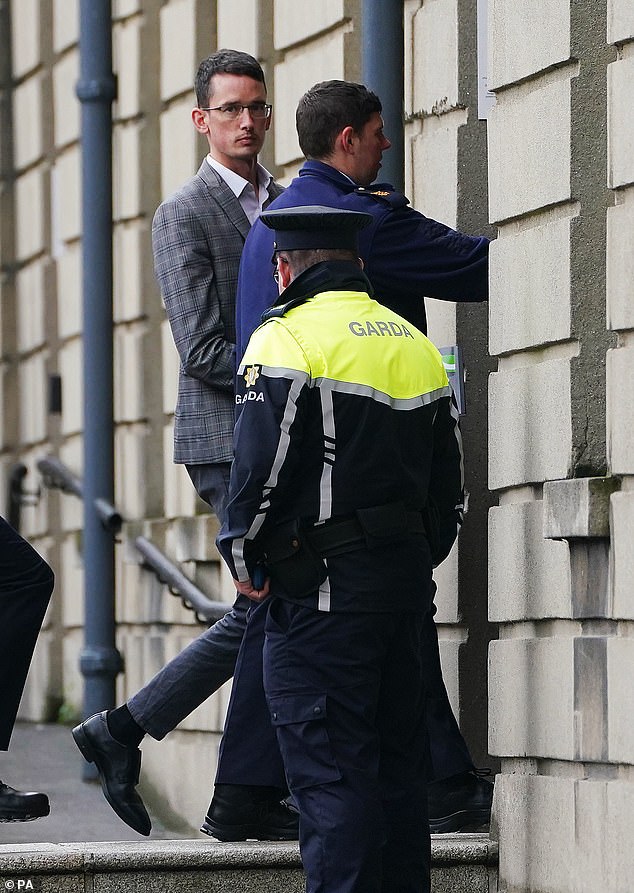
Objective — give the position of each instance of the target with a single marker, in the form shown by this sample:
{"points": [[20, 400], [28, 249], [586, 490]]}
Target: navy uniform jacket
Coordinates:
{"points": [[343, 405], [407, 256]]}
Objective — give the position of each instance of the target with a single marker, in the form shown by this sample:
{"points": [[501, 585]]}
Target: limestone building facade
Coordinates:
{"points": [[517, 125]]}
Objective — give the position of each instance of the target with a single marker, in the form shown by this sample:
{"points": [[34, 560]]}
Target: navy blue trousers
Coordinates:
{"points": [[233, 647], [346, 697], [26, 585], [244, 761]]}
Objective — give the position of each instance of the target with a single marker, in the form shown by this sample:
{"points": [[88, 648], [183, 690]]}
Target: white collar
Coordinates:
{"points": [[236, 182]]}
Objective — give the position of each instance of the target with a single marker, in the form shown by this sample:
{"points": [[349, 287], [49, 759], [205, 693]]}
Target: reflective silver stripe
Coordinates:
{"points": [[237, 553], [290, 410], [277, 371], [323, 600], [325, 485], [361, 390], [455, 414]]}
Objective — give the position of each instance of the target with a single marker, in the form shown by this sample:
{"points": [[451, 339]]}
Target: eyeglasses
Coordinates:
{"points": [[233, 110], [276, 271]]}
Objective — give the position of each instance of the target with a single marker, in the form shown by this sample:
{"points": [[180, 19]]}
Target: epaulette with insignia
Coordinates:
{"points": [[384, 193]]}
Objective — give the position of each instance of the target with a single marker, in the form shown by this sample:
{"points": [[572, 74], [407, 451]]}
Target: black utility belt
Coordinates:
{"points": [[294, 554], [369, 527]]}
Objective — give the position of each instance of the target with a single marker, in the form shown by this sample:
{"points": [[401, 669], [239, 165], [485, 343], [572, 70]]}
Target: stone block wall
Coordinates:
{"points": [[26, 228], [551, 175], [445, 177], [620, 449], [156, 47], [560, 171]]}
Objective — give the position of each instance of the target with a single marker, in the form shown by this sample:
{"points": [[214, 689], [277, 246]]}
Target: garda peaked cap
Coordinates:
{"points": [[315, 226]]}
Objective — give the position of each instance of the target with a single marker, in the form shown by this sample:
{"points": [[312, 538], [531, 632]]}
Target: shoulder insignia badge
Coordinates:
{"points": [[251, 375]]}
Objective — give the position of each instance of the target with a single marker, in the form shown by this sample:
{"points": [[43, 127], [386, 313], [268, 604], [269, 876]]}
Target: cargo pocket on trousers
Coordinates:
{"points": [[307, 752]]}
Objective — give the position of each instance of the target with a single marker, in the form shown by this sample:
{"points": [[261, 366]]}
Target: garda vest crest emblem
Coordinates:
{"points": [[251, 375]]}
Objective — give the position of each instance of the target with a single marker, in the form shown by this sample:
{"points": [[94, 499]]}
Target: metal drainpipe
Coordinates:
{"points": [[99, 660], [383, 57]]}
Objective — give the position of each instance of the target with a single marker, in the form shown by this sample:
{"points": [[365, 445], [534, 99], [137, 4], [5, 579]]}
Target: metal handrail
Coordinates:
{"points": [[178, 583], [57, 475]]}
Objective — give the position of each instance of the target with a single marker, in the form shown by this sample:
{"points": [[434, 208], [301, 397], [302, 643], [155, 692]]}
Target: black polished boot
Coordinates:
{"points": [[21, 806], [246, 812], [460, 803], [118, 766]]}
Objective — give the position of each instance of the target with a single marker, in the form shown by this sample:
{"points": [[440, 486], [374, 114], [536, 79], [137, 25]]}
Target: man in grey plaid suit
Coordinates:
{"points": [[198, 235]]}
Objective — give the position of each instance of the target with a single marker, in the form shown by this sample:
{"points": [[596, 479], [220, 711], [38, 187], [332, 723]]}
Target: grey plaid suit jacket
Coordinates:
{"points": [[197, 237]]}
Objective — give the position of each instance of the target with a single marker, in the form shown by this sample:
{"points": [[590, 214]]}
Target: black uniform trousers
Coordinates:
{"points": [[243, 761], [26, 585], [346, 697]]}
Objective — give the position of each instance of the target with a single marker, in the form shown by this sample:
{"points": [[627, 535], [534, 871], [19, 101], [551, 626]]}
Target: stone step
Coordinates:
{"points": [[461, 863]]}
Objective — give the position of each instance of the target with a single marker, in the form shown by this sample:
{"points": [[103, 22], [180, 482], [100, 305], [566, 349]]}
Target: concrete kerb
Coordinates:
{"points": [[250, 866], [158, 865]]}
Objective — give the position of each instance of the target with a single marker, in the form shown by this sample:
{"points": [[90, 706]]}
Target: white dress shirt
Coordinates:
{"points": [[252, 204]]}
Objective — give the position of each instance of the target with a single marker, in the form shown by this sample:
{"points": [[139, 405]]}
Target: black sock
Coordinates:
{"points": [[123, 728]]}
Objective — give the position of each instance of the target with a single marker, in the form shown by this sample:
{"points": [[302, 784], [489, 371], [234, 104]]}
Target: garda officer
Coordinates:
{"points": [[347, 483], [406, 256]]}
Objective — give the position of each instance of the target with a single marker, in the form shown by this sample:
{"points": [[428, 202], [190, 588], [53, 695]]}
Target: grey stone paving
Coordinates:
{"points": [[45, 758]]}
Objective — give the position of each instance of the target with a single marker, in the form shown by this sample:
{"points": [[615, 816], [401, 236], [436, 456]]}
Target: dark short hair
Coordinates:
{"points": [[303, 259], [328, 107], [225, 62]]}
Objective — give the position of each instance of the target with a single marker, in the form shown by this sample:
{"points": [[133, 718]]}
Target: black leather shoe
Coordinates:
{"points": [[118, 768], [460, 803], [21, 806], [237, 812]]}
